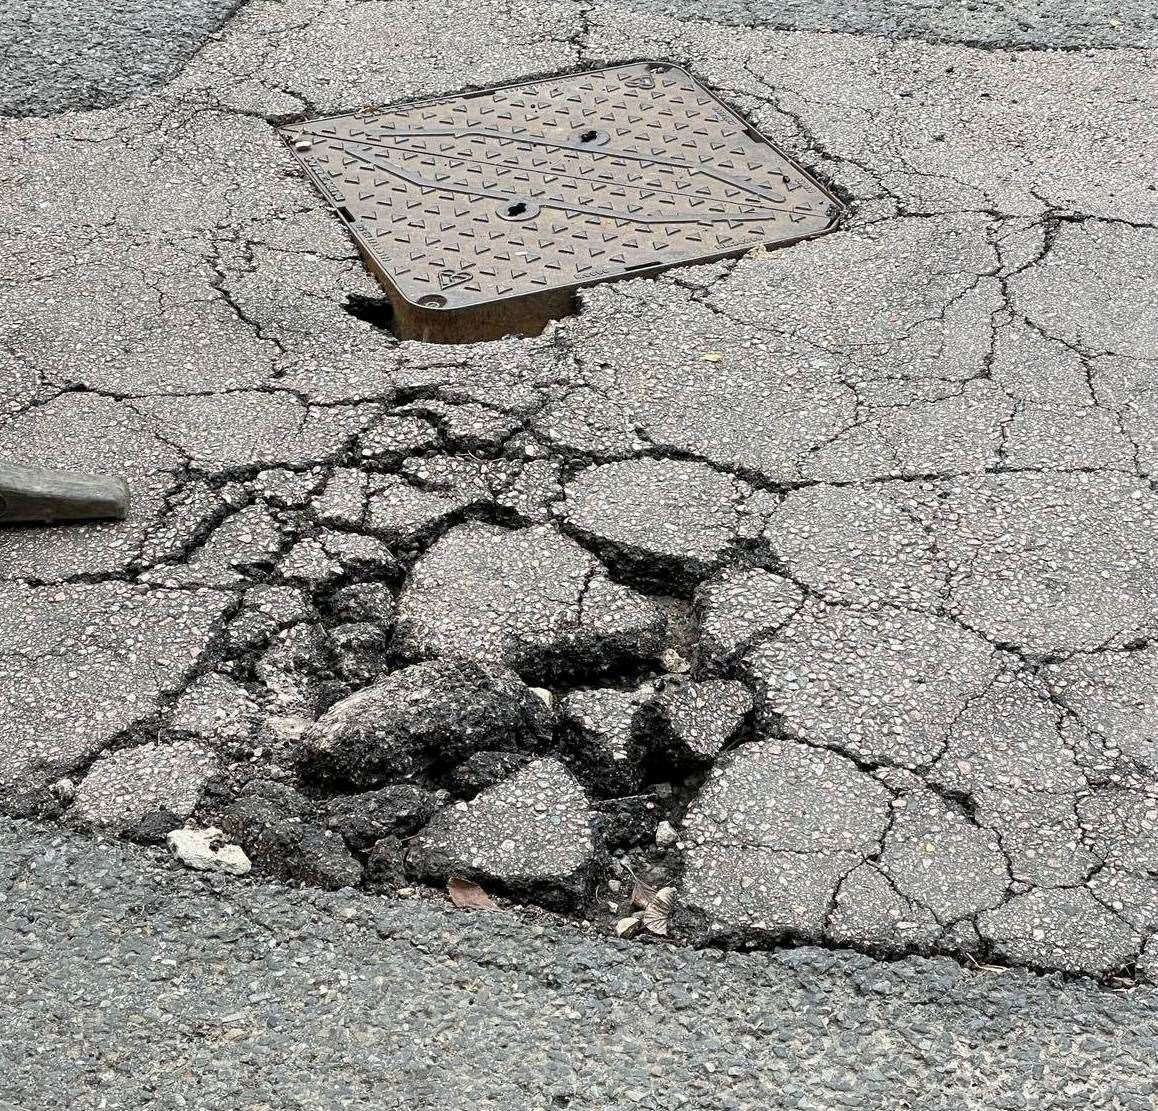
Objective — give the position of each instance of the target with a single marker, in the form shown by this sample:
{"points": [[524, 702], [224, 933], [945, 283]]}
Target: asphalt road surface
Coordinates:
{"points": [[819, 586], [124, 984], [64, 55]]}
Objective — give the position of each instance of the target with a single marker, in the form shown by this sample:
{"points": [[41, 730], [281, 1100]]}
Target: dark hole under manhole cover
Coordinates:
{"points": [[481, 214]]}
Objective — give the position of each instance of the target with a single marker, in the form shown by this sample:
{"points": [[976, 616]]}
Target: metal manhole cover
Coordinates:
{"points": [[482, 213]]}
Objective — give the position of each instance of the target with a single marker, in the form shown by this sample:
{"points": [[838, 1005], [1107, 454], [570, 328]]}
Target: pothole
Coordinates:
{"points": [[481, 214], [376, 311]]}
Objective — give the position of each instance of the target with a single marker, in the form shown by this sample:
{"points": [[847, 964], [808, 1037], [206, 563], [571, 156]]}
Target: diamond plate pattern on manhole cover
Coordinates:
{"points": [[482, 213]]}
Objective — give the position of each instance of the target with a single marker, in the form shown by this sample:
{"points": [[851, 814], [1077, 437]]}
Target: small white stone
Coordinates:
{"points": [[544, 696], [665, 835], [201, 850]]}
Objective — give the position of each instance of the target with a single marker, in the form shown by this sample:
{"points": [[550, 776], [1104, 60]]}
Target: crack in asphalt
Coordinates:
{"points": [[511, 433]]}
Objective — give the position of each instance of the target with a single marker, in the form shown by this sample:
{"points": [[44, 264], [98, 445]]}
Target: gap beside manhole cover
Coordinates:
{"points": [[482, 213]]}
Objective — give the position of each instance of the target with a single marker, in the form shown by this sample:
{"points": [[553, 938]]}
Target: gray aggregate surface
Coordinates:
{"points": [[127, 983], [66, 55], [1034, 24]]}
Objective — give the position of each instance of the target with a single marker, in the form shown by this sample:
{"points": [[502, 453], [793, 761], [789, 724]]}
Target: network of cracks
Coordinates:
{"points": [[626, 692], [805, 597]]}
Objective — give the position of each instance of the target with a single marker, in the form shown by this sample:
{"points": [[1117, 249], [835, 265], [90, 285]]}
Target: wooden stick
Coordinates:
{"points": [[44, 496]]}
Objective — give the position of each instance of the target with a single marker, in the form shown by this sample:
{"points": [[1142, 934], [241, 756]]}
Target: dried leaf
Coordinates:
{"points": [[641, 895], [625, 927], [469, 896], [658, 911]]}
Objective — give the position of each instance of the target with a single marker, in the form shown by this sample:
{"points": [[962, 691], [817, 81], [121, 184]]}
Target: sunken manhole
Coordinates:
{"points": [[482, 213]]}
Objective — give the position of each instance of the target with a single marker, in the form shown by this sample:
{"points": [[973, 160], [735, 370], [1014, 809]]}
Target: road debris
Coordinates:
{"points": [[657, 913], [641, 894], [666, 835], [469, 896], [205, 850], [42, 495]]}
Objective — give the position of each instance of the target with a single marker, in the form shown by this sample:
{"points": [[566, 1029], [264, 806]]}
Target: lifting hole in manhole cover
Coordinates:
{"points": [[482, 214], [593, 137], [518, 210]]}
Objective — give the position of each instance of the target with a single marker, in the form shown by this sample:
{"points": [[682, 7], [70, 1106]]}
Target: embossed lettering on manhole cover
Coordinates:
{"points": [[481, 214]]}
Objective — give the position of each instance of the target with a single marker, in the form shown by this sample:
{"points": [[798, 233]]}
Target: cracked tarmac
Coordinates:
{"points": [[842, 559]]}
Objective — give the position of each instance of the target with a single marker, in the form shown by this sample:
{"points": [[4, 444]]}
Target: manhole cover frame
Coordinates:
{"points": [[434, 317]]}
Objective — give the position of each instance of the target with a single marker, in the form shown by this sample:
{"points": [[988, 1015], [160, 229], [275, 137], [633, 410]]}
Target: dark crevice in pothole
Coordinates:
{"points": [[375, 311], [666, 789]]}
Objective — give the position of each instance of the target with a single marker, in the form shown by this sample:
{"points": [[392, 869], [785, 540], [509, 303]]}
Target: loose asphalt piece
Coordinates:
{"points": [[820, 584]]}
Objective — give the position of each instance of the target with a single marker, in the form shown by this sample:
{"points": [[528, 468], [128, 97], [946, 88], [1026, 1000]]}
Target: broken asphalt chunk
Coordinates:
{"points": [[694, 721], [358, 652], [385, 869], [736, 607], [275, 826], [433, 712], [661, 520], [218, 712], [530, 598], [776, 827], [482, 770], [393, 811], [144, 791], [600, 739], [531, 835], [364, 602]]}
